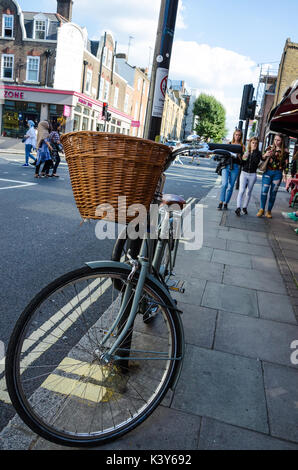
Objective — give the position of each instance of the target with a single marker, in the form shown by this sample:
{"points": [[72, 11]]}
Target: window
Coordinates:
{"points": [[136, 111], [88, 81], [102, 85], [33, 69], [106, 91], [116, 96], [126, 103], [7, 66], [104, 57], [110, 57], [40, 29], [7, 26]]}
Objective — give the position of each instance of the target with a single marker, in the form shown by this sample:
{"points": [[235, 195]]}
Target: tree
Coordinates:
{"points": [[211, 118]]}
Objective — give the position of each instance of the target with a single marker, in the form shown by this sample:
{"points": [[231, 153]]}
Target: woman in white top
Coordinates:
{"points": [[30, 143]]}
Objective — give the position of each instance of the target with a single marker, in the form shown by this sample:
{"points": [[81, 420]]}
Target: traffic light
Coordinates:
{"points": [[251, 109], [248, 106], [105, 107], [109, 116]]}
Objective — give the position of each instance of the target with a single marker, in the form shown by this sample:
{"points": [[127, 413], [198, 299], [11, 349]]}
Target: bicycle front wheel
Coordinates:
{"points": [[55, 376]]}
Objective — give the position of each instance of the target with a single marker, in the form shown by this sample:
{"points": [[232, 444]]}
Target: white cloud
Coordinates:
{"points": [[215, 71]]}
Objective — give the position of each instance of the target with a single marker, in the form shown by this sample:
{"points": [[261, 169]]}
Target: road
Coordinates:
{"points": [[42, 236]]}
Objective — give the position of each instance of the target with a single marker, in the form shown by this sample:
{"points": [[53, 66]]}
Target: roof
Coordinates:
{"points": [[53, 25]]}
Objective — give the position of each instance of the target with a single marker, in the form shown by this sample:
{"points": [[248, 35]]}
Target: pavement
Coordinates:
{"points": [[238, 388], [9, 145]]}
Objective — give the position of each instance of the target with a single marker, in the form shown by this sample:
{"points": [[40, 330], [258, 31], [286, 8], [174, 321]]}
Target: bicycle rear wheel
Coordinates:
{"points": [[55, 376]]}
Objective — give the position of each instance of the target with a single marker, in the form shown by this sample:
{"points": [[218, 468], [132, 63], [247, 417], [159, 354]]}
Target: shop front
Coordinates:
{"points": [[71, 110], [15, 116], [18, 105]]}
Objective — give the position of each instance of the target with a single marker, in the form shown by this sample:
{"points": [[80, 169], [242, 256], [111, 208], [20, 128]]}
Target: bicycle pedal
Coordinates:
{"points": [[177, 286]]}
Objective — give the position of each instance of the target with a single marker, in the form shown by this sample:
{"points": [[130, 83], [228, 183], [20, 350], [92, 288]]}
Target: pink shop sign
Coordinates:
{"points": [[135, 124], [67, 111]]}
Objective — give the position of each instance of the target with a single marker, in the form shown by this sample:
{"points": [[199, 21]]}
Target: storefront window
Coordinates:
{"points": [[76, 122], [15, 116], [86, 112], [85, 124]]}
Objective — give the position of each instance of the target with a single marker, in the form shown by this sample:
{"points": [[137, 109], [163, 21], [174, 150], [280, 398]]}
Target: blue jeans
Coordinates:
{"points": [[28, 148], [229, 178], [271, 181]]}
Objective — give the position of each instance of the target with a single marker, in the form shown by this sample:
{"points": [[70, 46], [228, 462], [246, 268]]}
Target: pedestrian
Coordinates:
{"points": [[230, 172], [43, 149], [30, 143], [56, 148], [291, 215], [294, 166], [249, 165], [278, 162]]}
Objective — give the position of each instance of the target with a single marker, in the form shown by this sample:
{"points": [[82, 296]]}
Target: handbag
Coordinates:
{"points": [[263, 164], [24, 140]]}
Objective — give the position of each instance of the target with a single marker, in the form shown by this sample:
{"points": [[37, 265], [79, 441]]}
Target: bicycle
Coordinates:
{"points": [[97, 350]]}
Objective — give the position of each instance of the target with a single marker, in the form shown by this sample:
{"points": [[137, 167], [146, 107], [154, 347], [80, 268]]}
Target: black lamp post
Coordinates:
{"points": [[160, 68]]}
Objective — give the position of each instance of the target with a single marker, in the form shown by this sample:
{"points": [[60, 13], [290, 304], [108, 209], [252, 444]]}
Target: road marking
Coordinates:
{"points": [[20, 184]]}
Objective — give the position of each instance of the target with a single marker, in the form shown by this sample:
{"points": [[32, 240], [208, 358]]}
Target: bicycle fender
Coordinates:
{"points": [[170, 303]]}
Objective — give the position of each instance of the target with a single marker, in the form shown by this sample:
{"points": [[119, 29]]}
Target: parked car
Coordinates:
{"points": [[172, 143]]}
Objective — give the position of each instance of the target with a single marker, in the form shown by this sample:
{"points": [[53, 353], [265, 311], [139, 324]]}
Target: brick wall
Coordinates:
{"points": [[21, 49], [288, 70]]}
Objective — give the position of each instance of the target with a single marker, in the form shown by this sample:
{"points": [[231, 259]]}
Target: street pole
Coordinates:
{"points": [[160, 68]]}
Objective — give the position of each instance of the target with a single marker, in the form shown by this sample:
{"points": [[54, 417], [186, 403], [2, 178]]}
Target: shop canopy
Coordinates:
{"points": [[284, 118]]}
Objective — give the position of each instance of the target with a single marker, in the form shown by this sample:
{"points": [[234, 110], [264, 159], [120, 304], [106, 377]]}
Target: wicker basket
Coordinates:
{"points": [[104, 167]]}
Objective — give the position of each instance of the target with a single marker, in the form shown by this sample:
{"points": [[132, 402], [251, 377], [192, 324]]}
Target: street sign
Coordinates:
{"points": [[160, 92]]}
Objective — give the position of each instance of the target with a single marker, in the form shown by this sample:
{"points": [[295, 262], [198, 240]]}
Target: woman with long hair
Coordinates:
{"points": [[248, 177], [230, 173], [277, 164], [43, 149]]}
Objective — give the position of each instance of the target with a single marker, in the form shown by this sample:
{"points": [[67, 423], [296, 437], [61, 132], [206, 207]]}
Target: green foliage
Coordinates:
{"points": [[211, 118]]}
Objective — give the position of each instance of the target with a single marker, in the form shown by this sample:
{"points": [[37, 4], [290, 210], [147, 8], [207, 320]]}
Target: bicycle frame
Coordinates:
{"points": [[147, 260]]}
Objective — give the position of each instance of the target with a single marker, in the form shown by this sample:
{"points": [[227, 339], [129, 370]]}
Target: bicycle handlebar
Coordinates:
{"points": [[203, 148]]}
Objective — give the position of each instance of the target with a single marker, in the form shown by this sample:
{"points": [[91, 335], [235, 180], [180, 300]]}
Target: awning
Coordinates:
{"points": [[284, 118]]}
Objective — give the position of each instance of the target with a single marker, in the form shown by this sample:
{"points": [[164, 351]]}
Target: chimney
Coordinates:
{"points": [[64, 8]]}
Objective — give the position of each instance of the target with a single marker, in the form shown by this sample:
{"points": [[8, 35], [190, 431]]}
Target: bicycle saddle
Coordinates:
{"points": [[169, 199]]}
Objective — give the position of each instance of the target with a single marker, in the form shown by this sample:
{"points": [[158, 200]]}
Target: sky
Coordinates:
{"points": [[219, 45]]}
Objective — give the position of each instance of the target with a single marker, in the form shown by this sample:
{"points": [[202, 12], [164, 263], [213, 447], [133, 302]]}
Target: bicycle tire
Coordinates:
{"points": [[40, 390]]}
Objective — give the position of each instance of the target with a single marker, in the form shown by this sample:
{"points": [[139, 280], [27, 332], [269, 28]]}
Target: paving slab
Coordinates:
{"points": [[194, 289], [204, 320], [223, 297], [214, 242], [200, 269], [276, 307], [158, 432], [215, 435], [249, 248], [264, 264], [205, 253], [224, 387], [234, 234], [282, 400], [254, 279], [256, 338], [231, 258]]}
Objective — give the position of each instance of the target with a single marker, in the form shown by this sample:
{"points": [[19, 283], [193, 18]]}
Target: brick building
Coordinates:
{"points": [[275, 88], [50, 69], [28, 44], [288, 70]]}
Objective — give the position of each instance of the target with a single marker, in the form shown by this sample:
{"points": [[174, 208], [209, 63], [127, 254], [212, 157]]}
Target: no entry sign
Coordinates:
{"points": [[160, 92]]}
